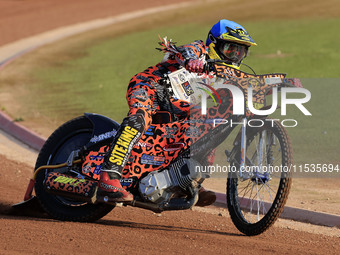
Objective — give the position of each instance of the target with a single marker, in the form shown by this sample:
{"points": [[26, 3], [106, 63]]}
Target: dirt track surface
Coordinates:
{"points": [[24, 18], [133, 230], [127, 230]]}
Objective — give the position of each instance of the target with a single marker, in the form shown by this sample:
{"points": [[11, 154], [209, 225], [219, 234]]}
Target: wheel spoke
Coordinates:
{"points": [[264, 154]]}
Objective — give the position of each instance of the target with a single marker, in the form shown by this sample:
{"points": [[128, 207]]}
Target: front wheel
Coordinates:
{"points": [[256, 194], [70, 136]]}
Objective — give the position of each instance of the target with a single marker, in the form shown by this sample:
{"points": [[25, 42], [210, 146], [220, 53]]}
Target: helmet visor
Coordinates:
{"points": [[233, 52]]}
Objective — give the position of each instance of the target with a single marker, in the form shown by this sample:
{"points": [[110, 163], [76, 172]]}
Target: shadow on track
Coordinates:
{"points": [[34, 210], [136, 225], [6, 209]]}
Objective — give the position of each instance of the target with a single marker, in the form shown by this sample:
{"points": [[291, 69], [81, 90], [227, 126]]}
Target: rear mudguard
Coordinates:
{"points": [[104, 128]]}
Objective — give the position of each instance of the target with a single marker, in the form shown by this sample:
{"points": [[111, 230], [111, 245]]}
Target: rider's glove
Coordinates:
{"points": [[195, 65]]}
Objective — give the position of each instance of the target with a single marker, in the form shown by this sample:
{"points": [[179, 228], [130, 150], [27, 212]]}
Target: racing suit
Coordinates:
{"points": [[146, 96]]}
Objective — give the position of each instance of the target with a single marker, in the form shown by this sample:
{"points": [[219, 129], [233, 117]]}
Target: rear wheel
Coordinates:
{"points": [[257, 195], [70, 136]]}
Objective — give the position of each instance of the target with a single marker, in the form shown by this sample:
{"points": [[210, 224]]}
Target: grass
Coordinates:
{"points": [[93, 77], [317, 137], [303, 52]]}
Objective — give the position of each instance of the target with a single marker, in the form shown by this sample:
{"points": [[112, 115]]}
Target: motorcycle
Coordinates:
{"points": [[166, 167]]}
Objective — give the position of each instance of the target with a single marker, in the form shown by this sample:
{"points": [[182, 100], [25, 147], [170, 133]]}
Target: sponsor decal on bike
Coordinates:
{"points": [[97, 170], [150, 130], [98, 157], [152, 160], [126, 182], [87, 168], [173, 146], [109, 187], [67, 180], [104, 136], [144, 145], [123, 145], [170, 132]]}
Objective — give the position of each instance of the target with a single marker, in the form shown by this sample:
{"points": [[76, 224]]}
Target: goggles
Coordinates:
{"points": [[233, 52]]}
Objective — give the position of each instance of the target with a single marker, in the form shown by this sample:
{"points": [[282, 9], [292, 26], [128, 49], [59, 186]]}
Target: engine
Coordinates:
{"points": [[161, 186]]}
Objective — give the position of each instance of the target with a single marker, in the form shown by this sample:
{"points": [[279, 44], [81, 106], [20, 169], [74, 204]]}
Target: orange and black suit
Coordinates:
{"points": [[146, 95]]}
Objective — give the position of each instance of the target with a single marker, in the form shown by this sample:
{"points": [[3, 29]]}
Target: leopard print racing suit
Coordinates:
{"points": [[146, 96]]}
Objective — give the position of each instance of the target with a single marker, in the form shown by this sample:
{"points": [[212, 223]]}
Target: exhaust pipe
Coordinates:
{"points": [[86, 191], [31, 203], [75, 188], [149, 206]]}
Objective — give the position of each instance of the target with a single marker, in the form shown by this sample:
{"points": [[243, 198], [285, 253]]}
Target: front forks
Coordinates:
{"points": [[243, 149], [254, 168]]}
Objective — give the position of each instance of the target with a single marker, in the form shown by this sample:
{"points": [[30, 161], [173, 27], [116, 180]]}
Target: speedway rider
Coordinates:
{"points": [[226, 40]]}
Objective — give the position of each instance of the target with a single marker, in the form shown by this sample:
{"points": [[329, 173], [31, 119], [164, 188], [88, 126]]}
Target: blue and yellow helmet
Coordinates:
{"points": [[229, 41]]}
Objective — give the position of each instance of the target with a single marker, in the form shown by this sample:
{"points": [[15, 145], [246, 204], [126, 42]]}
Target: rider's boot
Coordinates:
{"points": [[205, 197], [109, 183]]}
